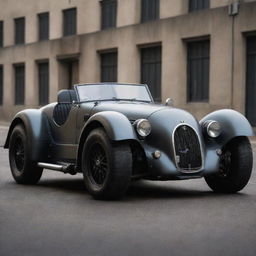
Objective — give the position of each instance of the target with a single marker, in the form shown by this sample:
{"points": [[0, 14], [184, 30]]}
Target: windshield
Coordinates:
{"points": [[113, 92]]}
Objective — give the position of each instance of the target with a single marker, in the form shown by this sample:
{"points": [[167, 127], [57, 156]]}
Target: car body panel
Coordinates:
{"points": [[55, 143]]}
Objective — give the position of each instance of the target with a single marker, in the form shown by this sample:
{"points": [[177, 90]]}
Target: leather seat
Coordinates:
{"points": [[62, 109], [67, 96]]}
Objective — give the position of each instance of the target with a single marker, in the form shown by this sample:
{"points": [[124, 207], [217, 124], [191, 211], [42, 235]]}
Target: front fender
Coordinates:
{"points": [[35, 124], [116, 125], [233, 125]]}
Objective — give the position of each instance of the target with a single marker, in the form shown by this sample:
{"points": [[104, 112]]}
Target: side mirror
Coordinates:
{"points": [[169, 102]]}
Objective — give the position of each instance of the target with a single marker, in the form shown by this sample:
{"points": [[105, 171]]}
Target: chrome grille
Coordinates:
{"points": [[187, 148]]}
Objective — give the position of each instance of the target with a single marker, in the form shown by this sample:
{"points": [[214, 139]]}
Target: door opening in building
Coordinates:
{"points": [[68, 73], [251, 80]]}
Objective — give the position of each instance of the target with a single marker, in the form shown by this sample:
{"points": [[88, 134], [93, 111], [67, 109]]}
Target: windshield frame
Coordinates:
{"points": [[96, 100]]}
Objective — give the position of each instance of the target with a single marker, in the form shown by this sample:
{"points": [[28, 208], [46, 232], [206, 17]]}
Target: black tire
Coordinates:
{"points": [[23, 169], [106, 166], [235, 167]]}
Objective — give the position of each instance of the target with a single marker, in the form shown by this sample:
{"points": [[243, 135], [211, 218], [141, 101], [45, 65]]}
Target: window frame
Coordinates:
{"points": [[147, 12], [19, 36], [19, 93], [156, 92], [1, 85], [109, 65], [197, 5], [42, 35], [1, 33], [191, 95], [108, 20], [72, 30], [42, 100]]}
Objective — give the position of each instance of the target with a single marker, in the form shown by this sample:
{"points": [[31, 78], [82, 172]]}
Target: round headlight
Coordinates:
{"points": [[213, 129], [143, 127]]}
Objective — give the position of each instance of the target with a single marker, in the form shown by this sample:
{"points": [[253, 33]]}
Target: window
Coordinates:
{"points": [[195, 5], [43, 83], [19, 84], [108, 13], [69, 22], [251, 79], [149, 10], [43, 26], [1, 84], [198, 54], [151, 65], [1, 33], [109, 67], [19, 31]]}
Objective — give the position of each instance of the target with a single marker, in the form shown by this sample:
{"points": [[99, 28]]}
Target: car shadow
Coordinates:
{"points": [[139, 190]]}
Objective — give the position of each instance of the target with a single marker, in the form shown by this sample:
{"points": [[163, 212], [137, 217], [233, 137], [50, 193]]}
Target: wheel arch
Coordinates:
{"points": [[116, 125], [233, 124], [36, 128]]}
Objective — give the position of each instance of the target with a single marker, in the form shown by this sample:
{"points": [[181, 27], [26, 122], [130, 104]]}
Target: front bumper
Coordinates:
{"points": [[165, 168]]}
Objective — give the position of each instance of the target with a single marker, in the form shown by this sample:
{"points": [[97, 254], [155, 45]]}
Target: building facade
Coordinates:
{"points": [[201, 53]]}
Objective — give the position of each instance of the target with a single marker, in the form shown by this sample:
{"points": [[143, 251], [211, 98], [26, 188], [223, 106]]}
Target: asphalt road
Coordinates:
{"points": [[58, 217]]}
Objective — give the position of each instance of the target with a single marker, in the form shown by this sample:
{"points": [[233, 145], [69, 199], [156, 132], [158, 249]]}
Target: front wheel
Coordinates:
{"points": [[235, 167], [106, 166], [23, 169]]}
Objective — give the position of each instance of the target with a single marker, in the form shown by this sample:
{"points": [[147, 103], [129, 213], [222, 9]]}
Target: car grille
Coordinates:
{"points": [[187, 149]]}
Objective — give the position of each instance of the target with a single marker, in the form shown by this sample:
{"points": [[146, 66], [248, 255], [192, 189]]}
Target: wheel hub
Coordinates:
{"points": [[225, 164], [98, 165], [19, 154]]}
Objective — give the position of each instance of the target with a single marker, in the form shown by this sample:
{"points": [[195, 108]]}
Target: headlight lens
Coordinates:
{"points": [[143, 127], [213, 128]]}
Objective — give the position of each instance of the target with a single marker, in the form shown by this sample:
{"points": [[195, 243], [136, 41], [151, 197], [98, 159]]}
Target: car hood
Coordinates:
{"points": [[133, 110]]}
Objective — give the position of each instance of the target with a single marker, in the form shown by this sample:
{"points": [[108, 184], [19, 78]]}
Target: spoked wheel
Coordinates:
{"points": [[235, 167], [23, 169], [98, 164], [106, 167], [19, 154]]}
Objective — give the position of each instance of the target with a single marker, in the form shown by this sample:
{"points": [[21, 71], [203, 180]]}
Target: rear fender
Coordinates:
{"points": [[37, 131]]}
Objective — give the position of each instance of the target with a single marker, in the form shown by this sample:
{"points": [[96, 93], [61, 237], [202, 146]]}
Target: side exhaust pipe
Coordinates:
{"points": [[69, 168]]}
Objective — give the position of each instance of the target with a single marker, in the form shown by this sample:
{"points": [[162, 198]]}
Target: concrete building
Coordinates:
{"points": [[201, 53]]}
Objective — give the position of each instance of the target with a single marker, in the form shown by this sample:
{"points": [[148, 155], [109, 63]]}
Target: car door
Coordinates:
{"points": [[64, 132]]}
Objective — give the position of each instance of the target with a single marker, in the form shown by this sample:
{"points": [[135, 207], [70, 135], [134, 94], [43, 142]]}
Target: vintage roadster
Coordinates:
{"points": [[114, 133]]}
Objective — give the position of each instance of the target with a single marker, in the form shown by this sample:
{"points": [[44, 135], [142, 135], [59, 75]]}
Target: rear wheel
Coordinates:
{"points": [[106, 167], [23, 169], [235, 167]]}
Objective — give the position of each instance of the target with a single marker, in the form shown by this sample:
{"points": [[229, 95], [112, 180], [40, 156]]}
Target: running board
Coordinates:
{"points": [[66, 168]]}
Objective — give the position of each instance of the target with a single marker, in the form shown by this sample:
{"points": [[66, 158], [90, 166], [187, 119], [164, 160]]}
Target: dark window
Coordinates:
{"points": [[43, 26], [19, 84], [108, 13], [151, 62], [251, 80], [43, 82], [1, 84], [19, 31], [198, 70], [149, 10], [1, 33], [109, 67], [195, 5], [69, 22]]}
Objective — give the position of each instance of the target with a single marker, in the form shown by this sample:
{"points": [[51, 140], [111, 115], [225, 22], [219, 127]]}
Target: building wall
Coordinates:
{"points": [[172, 30]]}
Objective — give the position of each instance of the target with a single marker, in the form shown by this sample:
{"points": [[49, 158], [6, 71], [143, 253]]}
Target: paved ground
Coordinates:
{"points": [[58, 217]]}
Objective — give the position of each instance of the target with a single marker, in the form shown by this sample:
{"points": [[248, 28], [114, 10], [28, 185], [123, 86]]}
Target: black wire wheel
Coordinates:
{"points": [[235, 167], [23, 169], [98, 164], [106, 166]]}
